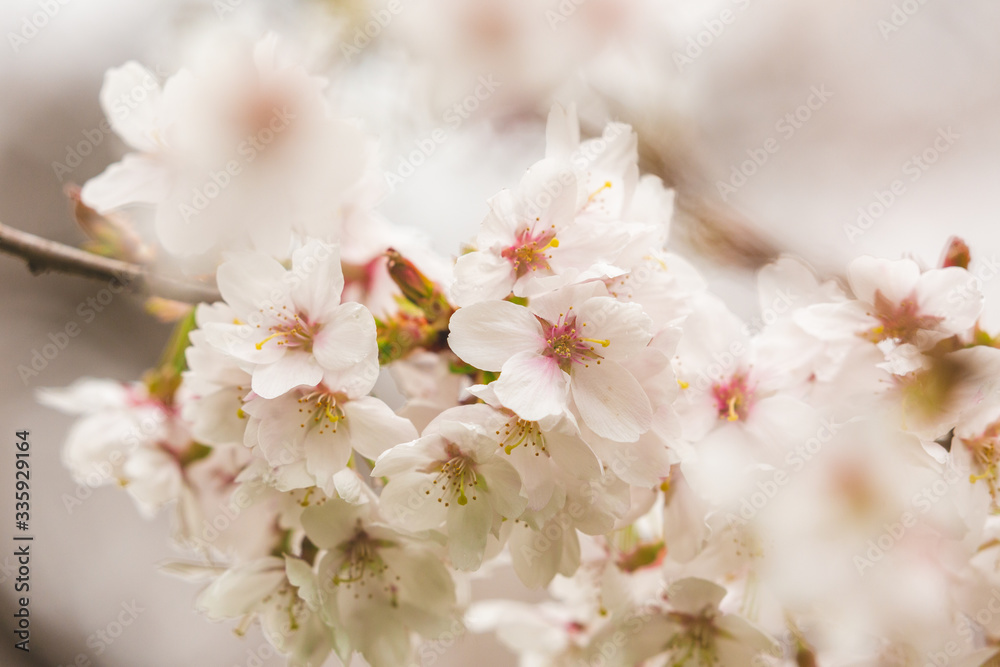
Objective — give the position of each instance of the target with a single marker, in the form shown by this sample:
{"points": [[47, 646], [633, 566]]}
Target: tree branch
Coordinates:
{"points": [[43, 255]]}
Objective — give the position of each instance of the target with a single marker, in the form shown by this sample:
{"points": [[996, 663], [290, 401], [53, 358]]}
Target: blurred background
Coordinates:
{"points": [[825, 130]]}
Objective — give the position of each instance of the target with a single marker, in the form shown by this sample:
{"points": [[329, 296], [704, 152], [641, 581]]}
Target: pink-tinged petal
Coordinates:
{"points": [[137, 179], [895, 279], [487, 334], [317, 279], [468, 529], [374, 427], [611, 401], [625, 326], [253, 285], [533, 386], [481, 276], [346, 338], [953, 294], [294, 369], [472, 439], [137, 121]]}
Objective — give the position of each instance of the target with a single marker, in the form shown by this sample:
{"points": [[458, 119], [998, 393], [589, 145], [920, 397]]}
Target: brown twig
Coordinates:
{"points": [[43, 255]]}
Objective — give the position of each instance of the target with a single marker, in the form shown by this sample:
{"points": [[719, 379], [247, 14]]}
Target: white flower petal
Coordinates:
{"points": [[468, 529], [347, 338], [318, 278], [611, 401], [131, 99], [489, 333], [533, 386], [481, 276], [374, 427], [136, 179], [292, 370], [895, 279]]}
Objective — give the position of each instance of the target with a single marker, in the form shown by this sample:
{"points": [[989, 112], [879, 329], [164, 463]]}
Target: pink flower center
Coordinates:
{"points": [[530, 251], [291, 330], [565, 344], [733, 398], [900, 321]]}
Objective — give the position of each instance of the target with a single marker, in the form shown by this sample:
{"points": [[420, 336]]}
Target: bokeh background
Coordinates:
{"points": [[706, 83]]}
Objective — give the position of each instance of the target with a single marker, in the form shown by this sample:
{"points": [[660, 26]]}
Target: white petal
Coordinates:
{"points": [[693, 595], [481, 276], [252, 284], [546, 196], [624, 325], [611, 401], [350, 487], [952, 293], [572, 454], [347, 338], [241, 589], [489, 333], [535, 558], [562, 132], [533, 386], [131, 98], [503, 486], [327, 452], [895, 279], [374, 427], [405, 501], [292, 370], [468, 528], [410, 456], [318, 278], [137, 179], [332, 523]]}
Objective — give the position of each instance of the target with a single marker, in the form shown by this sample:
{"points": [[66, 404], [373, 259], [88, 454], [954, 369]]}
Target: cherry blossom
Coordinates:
{"points": [[291, 328]]}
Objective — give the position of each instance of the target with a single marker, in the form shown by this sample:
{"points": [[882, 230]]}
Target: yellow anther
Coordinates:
{"points": [[607, 185], [732, 409], [683, 384], [260, 345], [990, 472]]}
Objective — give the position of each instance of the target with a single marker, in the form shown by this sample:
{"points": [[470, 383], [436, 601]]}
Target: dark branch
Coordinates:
{"points": [[43, 255]]}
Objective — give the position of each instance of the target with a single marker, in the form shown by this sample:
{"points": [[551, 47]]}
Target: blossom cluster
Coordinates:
{"points": [[357, 429]]}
